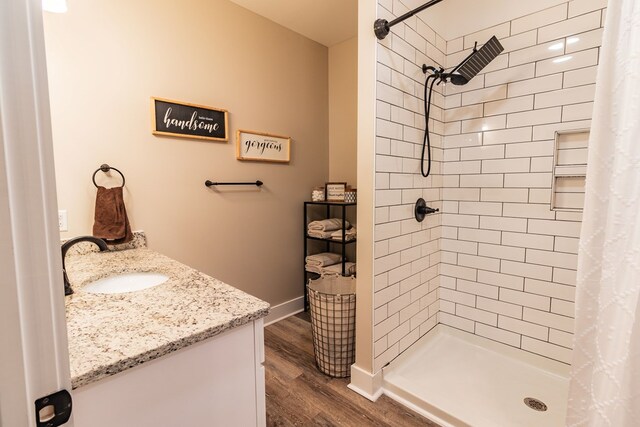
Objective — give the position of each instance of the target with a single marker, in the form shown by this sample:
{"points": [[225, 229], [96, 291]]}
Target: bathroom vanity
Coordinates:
{"points": [[187, 352]]}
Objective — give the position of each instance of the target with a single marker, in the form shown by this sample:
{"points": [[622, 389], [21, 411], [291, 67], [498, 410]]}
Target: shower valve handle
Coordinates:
{"points": [[427, 210], [422, 210]]}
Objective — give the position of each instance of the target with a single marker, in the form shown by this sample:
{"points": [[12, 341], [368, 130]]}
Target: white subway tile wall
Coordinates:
{"points": [[497, 261], [407, 254], [509, 263]]}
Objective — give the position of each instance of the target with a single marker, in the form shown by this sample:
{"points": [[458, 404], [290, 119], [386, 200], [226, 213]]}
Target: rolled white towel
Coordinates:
{"points": [[349, 234], [323, 259], [329, 224], [349, 269], [320, 234]]}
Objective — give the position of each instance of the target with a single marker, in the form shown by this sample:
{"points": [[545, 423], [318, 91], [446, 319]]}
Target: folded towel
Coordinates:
{"points": [[323, 259], [110, 220], [327, 224], [313, 269], [320, 234], [332, 270], [349, 269], [349, 234]]}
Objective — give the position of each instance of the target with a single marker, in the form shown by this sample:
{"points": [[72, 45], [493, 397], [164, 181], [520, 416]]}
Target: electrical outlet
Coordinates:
{"points": [[62, 220]]}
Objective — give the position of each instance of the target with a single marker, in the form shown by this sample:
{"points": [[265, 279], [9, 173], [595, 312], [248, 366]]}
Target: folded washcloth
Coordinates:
{"points": [[323, 259], [320, 234], [349, 269], [110, 220], [327, 224], [349, 234]]}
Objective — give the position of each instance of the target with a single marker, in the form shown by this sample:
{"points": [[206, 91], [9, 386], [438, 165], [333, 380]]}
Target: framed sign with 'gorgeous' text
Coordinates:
{"points": [[186, 120], [263, 147]]}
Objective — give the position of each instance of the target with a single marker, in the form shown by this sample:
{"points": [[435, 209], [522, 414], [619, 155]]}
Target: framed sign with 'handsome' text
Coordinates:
{"points": [[173, 118]]}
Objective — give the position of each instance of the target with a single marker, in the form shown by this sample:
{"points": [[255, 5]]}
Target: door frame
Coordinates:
{"points": [[33, 338]]}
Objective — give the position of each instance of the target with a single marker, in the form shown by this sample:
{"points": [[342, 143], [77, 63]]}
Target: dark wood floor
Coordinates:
{"points": [[300, 395]]}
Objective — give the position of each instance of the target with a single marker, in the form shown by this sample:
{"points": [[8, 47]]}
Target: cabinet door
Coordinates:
{"points": [[215, 382]]}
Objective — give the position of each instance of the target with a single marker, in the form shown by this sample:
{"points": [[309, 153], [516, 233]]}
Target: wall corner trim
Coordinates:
{"points": [[366, 384]]}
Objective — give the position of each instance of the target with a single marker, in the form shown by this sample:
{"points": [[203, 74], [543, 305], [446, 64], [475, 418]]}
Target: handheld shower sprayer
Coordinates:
{"points": [[460, 75]]}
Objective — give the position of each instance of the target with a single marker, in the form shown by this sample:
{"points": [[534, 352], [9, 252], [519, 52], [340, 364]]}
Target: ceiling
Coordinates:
{"points": [[330, 22]]}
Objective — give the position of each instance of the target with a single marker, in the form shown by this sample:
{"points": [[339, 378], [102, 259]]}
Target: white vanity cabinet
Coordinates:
{"points": [[215, 382]]}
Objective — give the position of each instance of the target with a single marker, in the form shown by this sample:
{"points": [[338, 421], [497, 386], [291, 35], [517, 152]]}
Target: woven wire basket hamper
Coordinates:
{"points": [[332, 300]]}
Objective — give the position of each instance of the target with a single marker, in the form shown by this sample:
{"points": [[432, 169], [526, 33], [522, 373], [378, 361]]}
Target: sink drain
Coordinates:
{"points": [[535, 404]]}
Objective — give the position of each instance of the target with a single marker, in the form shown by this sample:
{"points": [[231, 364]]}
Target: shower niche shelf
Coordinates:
{"points": [[569, 170]]}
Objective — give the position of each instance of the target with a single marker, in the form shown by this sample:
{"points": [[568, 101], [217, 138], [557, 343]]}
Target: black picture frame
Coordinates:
{"points": [[186, 120]]}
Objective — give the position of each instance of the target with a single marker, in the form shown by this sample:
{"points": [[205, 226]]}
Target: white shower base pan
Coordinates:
{"points": [[459, 379]]}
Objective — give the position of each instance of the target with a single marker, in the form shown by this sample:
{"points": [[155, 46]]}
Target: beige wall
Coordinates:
{"points": [[343, 110], [106, 59]]}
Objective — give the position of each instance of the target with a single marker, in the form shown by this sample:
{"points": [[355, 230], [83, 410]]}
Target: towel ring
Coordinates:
{"points": [[106, 168]]}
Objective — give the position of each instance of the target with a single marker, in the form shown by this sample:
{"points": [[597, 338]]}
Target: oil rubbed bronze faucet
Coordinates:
{"points": [[67, 245]]}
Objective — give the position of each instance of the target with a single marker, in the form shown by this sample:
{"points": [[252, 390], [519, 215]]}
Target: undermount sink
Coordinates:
{"points": [[128, 282]]}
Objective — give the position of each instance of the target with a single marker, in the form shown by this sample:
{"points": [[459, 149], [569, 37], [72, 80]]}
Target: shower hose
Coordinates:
{"points": [[426, 142]]}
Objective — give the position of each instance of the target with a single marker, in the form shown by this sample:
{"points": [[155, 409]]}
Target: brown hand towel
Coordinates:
{"points": [[111, 221]]}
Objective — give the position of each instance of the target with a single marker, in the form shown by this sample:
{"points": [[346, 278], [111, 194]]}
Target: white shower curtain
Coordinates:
{"points": [[605, 382]]}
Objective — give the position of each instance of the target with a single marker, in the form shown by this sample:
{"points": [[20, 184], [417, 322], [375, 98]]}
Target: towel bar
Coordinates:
{"points": [[210, 183], [106, 168]]}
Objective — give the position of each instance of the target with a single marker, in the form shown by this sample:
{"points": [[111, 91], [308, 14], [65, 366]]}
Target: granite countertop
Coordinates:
{"points": [[109, 333]]}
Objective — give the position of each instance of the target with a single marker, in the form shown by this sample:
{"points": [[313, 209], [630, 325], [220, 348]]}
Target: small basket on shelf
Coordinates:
{"points": [[351, 195]]}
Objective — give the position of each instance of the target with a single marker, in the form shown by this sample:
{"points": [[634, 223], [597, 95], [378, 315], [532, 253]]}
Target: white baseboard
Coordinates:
{"points": [[366, 384], [284, 310]]}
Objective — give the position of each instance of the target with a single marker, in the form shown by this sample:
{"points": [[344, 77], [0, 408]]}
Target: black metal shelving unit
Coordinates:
{"points": [[342, 206]]}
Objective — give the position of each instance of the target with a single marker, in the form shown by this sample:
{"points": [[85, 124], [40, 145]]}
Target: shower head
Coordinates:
{"points": [[460, 75], [474, 63]]}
